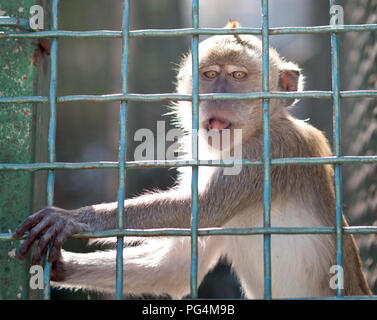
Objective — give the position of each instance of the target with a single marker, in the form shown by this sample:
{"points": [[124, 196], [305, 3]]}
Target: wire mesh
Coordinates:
{"points": [[122, 165]]}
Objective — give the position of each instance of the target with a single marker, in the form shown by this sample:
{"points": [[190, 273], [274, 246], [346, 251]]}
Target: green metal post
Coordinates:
{"points": [[22, 70]]}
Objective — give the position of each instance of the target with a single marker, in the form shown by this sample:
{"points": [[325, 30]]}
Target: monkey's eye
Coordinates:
{"points": [[239, 74], [211, 74]]}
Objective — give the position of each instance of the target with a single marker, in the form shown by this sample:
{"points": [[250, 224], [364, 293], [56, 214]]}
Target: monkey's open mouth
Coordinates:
{"points": [[218, 124]]}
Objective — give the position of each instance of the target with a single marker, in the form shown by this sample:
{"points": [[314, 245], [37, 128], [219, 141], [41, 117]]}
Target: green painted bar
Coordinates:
{"points": [[19, 23], [194, 150], [122, 150], [23, 131], [209, 232], [19, 100], [337, 149], [176, 97], [183, 163], [266, 151], [51, 136], [190, 32]]}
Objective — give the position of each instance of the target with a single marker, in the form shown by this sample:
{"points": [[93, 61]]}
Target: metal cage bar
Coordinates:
{"points": [[185, 31], [122, 150], [51, 134], [211, 232], [183, 97], [266, 152], [194, 150], [184, 163], [122, 165], [337, 153]]}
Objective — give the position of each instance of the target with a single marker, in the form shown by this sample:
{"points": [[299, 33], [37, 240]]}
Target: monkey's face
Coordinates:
{"points": [[227, 77], [223, 117], [225, 66], [229, 64]]}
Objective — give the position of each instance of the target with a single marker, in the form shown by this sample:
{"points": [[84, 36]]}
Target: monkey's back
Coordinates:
{"points": [[301, 196]]}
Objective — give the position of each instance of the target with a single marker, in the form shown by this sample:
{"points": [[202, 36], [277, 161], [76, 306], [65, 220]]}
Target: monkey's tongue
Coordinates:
{"points": [[217, 124]]}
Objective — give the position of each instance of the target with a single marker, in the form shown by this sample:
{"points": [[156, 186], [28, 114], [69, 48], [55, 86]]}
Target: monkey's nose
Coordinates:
{"points": [[218, 124]]}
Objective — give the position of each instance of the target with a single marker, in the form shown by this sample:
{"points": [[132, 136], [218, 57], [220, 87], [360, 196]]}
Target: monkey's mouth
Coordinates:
{"points": [[217, 124]]}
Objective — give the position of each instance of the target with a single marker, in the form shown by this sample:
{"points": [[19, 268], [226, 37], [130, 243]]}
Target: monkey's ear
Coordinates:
{"points": [[290, 79], [232, 24]]}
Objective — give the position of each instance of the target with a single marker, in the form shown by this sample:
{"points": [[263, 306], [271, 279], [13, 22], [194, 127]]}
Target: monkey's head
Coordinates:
{"points": [[233, 64]]}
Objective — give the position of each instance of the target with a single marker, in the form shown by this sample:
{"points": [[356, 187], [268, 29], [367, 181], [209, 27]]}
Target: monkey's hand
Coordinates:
{"points": [[57, 270], [51, 226]]}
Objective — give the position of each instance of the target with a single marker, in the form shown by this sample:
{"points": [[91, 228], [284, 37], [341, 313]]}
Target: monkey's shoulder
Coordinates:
{"points": [[304, 140]]}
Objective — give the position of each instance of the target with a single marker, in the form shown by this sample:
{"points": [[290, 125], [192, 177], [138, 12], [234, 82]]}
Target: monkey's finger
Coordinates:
{"points": [[57, 246], [28, 223], [57, 271], [33, 234], [43, 243]]}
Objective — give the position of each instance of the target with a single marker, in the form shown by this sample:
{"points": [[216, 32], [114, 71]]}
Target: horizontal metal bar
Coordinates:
{"points": [[182, 97], [253, 31], [21, 23], [325, 160], [23, 99], [125, 97], [189, 32], [184, 163], [167, 232], [62, 34]]}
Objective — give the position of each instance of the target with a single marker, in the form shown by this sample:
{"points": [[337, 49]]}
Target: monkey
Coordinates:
{"points": [[301, 196]]}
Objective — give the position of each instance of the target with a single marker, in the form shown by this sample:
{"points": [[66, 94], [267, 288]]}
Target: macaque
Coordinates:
{"points": [[301, 196]]}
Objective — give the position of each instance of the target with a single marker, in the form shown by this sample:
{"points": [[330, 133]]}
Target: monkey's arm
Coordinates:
{"points": [[224, 196], [172, 209], [169, 209]]}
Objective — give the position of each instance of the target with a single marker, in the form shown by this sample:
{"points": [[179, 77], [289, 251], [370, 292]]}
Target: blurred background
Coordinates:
{"points": [[89, 131]]}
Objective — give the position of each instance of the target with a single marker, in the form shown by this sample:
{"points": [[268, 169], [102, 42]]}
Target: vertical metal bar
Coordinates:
{"points": [[337, 151], [195, 127], [122, 150], [51, 133], [266, 152]]}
